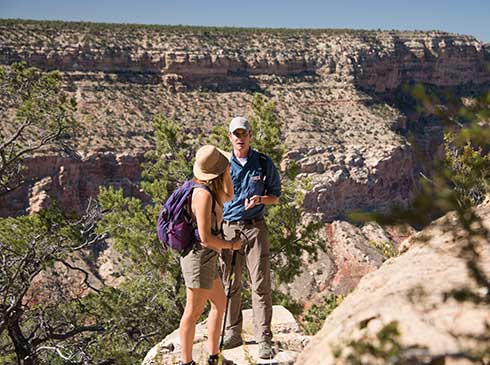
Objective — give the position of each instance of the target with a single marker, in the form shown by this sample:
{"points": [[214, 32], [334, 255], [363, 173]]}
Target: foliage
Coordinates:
{"points": [[123, 310], [33, 325], [266, 128], [152, 275], [385, 348], [112, 325], [171, 163], [387, 248], [43, 119], [130, 221], [204, 31], [468, 170], [315, 316]]}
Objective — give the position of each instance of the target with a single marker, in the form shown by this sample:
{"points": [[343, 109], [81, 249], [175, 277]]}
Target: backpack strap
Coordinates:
{"points": [[263, 165]]}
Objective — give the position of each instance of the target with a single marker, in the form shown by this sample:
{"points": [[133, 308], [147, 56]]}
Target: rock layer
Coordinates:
{"points": [[72, 182], [349, 253], [198, 57]]}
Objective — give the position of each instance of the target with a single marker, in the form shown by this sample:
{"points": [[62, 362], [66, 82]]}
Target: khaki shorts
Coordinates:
{"points": [[200, 267]]}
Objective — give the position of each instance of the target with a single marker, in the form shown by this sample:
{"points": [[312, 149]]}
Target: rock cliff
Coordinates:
{"points": [[72, 182], [412, 289], [335, 92], [193, 56]]}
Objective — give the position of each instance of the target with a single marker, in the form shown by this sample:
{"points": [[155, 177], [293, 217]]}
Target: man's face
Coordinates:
{"points": [[240, 139]]}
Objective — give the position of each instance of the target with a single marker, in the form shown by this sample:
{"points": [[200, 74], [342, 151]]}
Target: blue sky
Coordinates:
{"points": [[467, 17]]}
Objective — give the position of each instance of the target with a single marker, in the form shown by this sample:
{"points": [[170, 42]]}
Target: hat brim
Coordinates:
{"points": [[234, 128], [224, 160]]}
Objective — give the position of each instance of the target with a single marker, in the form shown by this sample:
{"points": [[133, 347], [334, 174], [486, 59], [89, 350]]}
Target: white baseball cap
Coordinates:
{"points": [[239, 123]]}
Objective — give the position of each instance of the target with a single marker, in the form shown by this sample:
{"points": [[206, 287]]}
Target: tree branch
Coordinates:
{"points": [[75, 331], [16, 135], [86, 275]]}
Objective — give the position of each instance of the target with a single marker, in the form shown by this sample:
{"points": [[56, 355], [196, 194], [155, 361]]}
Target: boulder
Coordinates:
{"points": [[288, 341], [412, 290]]}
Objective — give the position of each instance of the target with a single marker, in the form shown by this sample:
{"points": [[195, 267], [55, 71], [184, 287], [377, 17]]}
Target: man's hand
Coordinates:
{"points": [[253, 201]]}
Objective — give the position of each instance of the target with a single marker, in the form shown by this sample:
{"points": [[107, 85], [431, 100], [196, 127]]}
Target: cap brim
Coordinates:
{"points": [[234, 128]]}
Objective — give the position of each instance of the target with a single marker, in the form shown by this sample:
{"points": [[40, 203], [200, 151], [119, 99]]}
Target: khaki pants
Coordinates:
{"points": [[255, 255]]}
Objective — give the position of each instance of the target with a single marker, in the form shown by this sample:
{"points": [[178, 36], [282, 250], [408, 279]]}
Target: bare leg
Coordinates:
{"points": [[195, 301], [217, 298]]}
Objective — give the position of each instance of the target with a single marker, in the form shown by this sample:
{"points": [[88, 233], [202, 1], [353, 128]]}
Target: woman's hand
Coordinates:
{"points": [[236, 243]]}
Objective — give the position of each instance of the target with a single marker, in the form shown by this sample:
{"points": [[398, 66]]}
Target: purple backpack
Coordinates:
{"points": [[176, 228]]}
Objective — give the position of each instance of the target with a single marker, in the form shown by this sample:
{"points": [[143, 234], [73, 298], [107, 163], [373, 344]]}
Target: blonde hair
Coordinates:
{"points": [[216, 186]]}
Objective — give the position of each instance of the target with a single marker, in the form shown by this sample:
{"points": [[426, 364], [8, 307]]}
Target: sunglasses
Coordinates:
{"points": [[241, 134]]}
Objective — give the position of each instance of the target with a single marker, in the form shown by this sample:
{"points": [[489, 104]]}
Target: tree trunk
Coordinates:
{"points": [[22, 347]]}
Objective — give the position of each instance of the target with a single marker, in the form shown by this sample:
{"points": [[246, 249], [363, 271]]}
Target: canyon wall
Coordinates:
{"points": [[318, 78], [72, 182], [190, 57]]}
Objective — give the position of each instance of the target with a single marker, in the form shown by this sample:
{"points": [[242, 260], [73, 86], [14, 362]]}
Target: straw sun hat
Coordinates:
{"points": [[210, 162]]}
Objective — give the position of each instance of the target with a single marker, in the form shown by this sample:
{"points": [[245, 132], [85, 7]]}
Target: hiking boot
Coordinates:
{"points": [[265, 350], [232, 341], [212, 360]]}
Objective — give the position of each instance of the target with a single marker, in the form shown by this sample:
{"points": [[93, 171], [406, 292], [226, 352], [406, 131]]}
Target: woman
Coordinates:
{"points": [[200, 265]]}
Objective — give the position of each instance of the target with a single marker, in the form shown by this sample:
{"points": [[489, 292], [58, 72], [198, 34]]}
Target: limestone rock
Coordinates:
{"points": [[287, 338], [39, 196], [411, 289], [361, 182], [321, 81], [379, 62]]}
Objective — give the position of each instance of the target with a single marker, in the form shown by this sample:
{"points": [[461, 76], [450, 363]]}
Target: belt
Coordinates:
{"points": [[246, 221]]}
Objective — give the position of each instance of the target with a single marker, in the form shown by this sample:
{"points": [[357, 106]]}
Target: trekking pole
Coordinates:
{"points": [[231, 277]]}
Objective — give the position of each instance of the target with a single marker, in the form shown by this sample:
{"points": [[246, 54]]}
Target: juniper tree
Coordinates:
{"points": [[150, 302], [36, 326], [43, 118], [33, 325]]}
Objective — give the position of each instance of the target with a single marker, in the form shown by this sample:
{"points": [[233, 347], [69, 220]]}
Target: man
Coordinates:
{"points": [[256, 184]]}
